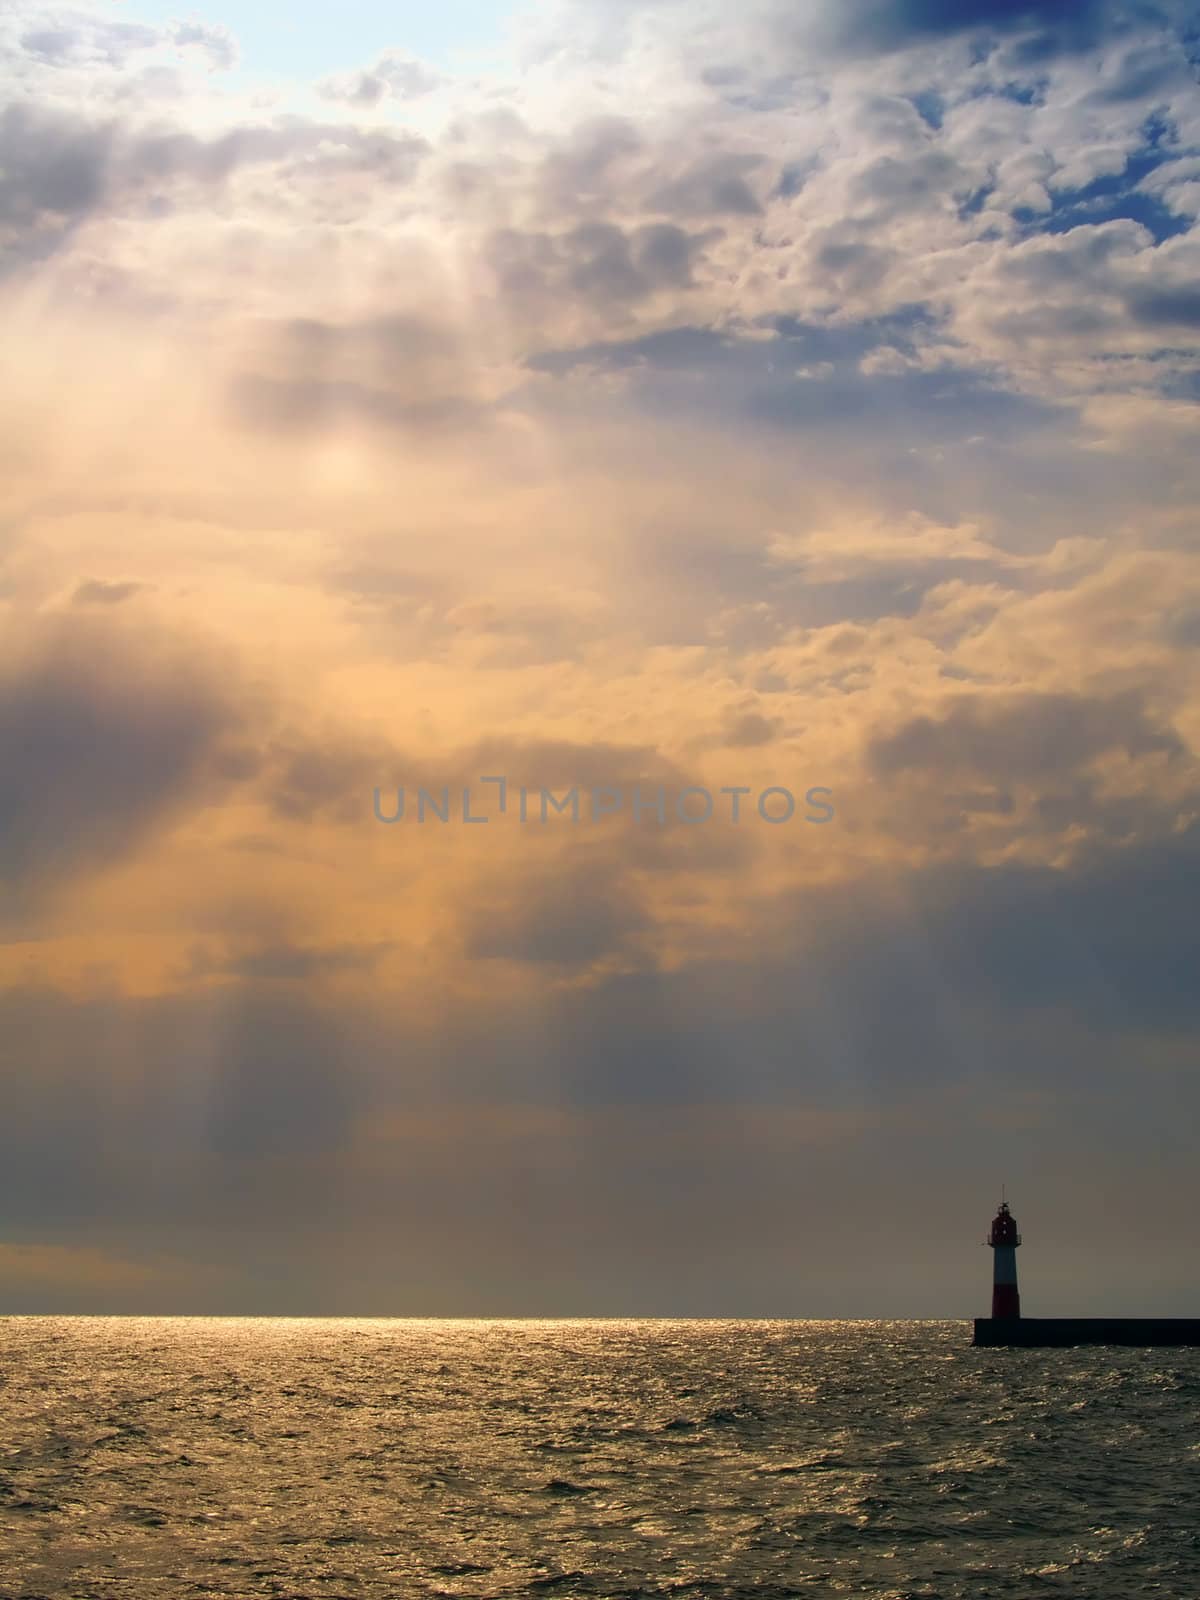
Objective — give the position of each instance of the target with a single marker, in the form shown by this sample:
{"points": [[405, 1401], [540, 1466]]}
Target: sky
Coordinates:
{"points": [[601, 395], [304, 41]]}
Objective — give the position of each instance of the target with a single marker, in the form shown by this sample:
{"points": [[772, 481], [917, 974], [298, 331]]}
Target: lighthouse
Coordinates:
{"points": [[1006, 1325], [1004, 1239]]}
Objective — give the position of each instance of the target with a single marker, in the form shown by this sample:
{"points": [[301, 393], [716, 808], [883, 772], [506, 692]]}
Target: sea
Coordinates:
{"points": [[169, 1458]]}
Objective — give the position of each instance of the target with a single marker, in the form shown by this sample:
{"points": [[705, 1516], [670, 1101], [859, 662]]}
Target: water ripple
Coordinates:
{"points": [[158, 1459]]}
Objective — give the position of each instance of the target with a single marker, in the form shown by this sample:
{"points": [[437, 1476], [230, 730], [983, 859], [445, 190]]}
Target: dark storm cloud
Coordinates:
{"points": [[565, 918], [897, 1010], [902, 18], [884, 986], [280, 1080], [1038, 29], [100, 739], [1034, 765], [168, 1106], [1046, 27], [1112, 939], [1023, 736], [877, 987]]}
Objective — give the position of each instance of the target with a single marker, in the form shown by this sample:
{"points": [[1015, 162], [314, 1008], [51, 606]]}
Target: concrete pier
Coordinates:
{"points": [[1041, 1332]]}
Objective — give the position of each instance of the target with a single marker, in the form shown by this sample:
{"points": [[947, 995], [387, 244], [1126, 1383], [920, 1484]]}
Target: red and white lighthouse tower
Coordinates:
{"points": [[1004, 1239]]}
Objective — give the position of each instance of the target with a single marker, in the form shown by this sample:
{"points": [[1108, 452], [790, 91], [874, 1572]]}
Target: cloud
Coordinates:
{"points": [[96, 592], [1013, 769], [394, 74], [279, 1080], [304, 777], [400, 371], [892, 24], [287, 963], [71, 37], [808, 379], [712, 188], [862, 1028], [566, 918], [212, 41], [70, 1267], [307, 404], [769, 395], [1165, 307], [1024, 736], [63, 167], [1103, 940], [55, 169], [597, 265], [747, 729], [103, 737]]}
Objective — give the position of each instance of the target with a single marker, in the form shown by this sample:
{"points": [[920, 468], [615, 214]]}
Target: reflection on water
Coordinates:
{"points": [[154, 1458]]}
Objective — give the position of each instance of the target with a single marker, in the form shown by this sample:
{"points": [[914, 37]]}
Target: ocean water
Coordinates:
{"points": [[160, 1459]]}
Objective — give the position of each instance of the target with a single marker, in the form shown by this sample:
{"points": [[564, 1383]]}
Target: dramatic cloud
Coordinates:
{"points": [[99, 743], [1049, 24], [1027, 737], [683, 400]]}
